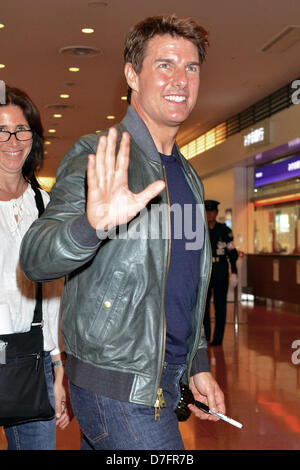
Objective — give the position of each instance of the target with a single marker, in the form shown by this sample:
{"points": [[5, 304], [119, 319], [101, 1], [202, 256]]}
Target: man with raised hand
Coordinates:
{"points": [[133, 305]]}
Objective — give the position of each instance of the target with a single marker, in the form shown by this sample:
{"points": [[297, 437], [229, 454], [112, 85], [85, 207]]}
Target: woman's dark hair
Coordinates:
{"points": [[140, 34], [34, 161]]}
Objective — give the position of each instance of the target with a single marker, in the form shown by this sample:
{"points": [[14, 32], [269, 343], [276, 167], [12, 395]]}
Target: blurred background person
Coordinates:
{"points": [[21, 154], [221, 239]]}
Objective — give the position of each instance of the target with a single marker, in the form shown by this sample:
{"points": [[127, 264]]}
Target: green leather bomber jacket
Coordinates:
{"points": [[113, 319]]}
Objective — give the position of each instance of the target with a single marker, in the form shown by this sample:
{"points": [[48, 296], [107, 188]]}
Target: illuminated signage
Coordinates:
{"points": [[278, 171], [256, 136]]}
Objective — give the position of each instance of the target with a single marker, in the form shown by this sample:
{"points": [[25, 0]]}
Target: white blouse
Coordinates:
{"points": [[16, 290]]}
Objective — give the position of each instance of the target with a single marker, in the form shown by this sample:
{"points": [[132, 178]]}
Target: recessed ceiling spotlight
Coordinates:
{"points": [[47, 142], [64, 96], [123, 98], [57, 116], [74, 69], [51, 131], [59, 107], [87, 30], [97, 132], [80, 51], [2, 25], [110, 116], [2, 66]]}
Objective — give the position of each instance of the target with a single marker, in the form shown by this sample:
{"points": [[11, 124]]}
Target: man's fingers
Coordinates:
{"points": [[110, 154], [91, 173], [123, 156], [107, 164], [100, 160], [150, 192]]}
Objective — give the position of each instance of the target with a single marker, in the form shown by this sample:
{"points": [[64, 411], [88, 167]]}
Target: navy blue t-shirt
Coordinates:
{"points": [[187, 234]]}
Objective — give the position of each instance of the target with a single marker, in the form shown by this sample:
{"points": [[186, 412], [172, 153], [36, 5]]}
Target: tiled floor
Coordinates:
{"points": [[257, 368], [261, 383]]}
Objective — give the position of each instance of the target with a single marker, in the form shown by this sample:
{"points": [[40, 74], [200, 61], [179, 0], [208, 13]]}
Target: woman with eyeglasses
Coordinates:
{"points": [[21, 155]]}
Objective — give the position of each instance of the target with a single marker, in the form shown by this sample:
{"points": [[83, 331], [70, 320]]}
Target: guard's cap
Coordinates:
{"points": [[211, 205]]}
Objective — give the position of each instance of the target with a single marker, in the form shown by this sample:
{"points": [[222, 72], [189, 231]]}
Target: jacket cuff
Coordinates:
{"points": [[200, 362], [84, 234]]}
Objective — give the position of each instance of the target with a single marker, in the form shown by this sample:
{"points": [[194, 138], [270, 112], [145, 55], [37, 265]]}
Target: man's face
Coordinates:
{"points": [[166, 89], [211, 216]]}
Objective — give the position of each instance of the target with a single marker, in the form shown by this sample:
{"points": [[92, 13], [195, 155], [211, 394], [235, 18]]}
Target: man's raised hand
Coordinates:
{"points": [[109, 200]]}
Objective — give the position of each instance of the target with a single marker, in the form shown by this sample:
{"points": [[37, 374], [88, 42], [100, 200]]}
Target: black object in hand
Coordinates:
{"points": [[187, 398]]}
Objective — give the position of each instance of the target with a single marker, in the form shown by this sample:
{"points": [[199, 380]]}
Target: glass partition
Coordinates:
{"points": [[277, 228]]}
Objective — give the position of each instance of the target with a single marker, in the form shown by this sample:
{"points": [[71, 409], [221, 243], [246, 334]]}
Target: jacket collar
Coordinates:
{"points": [[141, 135]]}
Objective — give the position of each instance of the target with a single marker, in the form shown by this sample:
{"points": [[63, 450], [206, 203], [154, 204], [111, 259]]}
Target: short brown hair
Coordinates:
{"points": [[138, 37]]}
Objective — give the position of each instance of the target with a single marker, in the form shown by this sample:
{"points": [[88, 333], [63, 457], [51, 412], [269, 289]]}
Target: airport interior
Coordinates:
{"points": [[242, 139]]}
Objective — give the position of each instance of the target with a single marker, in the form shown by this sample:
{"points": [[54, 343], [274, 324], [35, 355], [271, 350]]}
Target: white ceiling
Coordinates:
{"points": [[235, 75]]}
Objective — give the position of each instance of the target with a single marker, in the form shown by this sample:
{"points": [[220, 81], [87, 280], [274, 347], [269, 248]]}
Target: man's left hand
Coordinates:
{"points": [[205, 389]]}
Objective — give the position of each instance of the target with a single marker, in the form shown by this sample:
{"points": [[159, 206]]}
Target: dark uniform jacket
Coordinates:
{"points": [[222, 246]]}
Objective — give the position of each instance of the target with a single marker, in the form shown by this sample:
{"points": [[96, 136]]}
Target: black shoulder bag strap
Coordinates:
{"points": [[22, 344], [38, 312]]}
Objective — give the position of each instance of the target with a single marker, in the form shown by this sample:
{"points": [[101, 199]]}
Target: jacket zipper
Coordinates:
{"points": [[160, 402], [210, 268]]}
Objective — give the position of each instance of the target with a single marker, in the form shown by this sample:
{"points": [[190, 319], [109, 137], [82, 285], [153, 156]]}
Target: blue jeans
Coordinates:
{"points": [[37, 435], [109, 424]]}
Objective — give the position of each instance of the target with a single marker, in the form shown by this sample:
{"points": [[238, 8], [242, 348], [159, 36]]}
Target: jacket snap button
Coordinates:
{"points": [[107, 304]]}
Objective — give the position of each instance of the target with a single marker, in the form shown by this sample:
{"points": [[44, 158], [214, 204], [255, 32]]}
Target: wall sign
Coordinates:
{"points": [[256, 136], [289, 168]]}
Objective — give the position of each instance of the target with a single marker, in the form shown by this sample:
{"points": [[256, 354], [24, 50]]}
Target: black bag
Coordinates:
{"points": [[23, 388]]}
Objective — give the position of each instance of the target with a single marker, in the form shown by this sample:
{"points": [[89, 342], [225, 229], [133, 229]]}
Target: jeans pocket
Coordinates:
{"points": [[89, 413]]}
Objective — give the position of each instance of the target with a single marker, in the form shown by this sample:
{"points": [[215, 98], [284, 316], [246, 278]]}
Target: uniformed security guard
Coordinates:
{"points": [[221, 238]]}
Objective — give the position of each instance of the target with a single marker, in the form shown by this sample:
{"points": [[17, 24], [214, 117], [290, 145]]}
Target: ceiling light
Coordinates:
{"points": [[47, 142], [46, 182], [123, 98], [2, 66], [87, 30], [80, 51], [57, 116], [97, 4], [74, 69], [97, 132], [277, 200], [110, 117], [59, 107], [2, 26], [51, 131], [64, 95]]}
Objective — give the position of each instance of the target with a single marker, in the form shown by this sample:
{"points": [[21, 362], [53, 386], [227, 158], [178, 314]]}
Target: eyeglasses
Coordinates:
{"points": [[20, 135]]}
